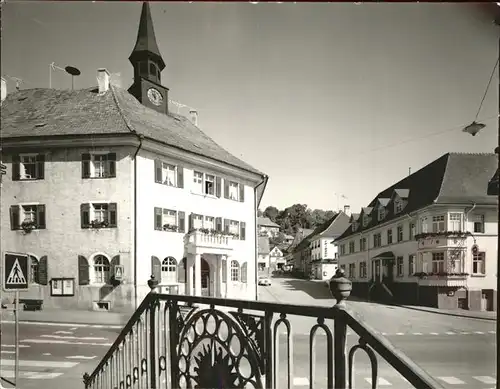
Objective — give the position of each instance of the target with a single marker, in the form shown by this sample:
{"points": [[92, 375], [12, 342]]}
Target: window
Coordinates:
{"points": [[381, 213], [411, 264], [438, 262], [169, 270], [235, 271], [362, 244], [412, 231], [398, 206], [26, 216], [98, 215], [455, 222], [478, 223], [197, 221], [479, 263], [326, 250], [101, 269], [28, 167], [209, 222], [389, 236], [423, 225], [342, 249], [352, 270], [99, 165], [342, 267], [169, 220], [169, 174], [438, 224], [233, 227], [351, 247], [233, 190], [354, 226], [362, 269], [35, 270], [366, 220], [400, 266], [377, 240], [400, 233]]}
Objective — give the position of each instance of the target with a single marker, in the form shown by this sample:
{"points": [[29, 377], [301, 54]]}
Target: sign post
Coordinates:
{"points": [[15, 278]]}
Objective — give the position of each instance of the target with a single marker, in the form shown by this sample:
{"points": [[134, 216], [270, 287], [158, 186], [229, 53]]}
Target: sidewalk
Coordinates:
{"points": [[82, 318]]}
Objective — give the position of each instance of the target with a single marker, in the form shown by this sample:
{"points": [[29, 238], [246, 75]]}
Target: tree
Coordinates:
{"points": [[277, 239], [260, 213], [271, 212]]}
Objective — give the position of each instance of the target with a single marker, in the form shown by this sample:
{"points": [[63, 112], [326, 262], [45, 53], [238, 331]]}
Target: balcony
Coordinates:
{"points": [[175, 341], [448, 279], [202, 241], [435, 240]]}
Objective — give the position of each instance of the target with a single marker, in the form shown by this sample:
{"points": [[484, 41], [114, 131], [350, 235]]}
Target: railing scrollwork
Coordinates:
{"points": [[177, 342]]}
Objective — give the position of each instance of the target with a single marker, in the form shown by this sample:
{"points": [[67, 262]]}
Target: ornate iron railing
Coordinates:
{"points": [[175, 341]]}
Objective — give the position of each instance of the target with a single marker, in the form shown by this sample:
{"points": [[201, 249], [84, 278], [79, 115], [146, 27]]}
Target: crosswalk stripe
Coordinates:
{"points": [[451, 380], [300, 381], [380, 381], [485, 379], [28, 363], [31, 375]]}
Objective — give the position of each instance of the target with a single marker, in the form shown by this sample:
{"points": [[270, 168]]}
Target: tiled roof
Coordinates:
{"points": [[457, 178], [263, 245], [266, 222], [320, 229], [51, 112]]}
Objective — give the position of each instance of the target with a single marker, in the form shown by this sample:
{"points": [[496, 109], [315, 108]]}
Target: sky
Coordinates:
{"points": [[333, 101]]}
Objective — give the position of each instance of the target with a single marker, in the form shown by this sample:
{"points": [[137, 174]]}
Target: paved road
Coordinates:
{"points": [[53, 356], [455, 351]]}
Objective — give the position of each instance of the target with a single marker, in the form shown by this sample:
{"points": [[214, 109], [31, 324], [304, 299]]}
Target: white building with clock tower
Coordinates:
{"points": [[107, 187]]}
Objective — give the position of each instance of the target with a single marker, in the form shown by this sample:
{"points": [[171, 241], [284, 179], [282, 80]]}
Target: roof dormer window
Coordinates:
{"points": [[398, 206], [381, 213], [354, 226], [366, 220]]}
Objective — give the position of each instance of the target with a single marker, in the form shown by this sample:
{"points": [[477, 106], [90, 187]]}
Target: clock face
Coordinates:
{"points": [[154, 96]]}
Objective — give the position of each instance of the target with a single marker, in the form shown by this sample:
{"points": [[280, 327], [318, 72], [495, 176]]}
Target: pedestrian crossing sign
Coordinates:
{"points": [[118, 272], [15, 272]]}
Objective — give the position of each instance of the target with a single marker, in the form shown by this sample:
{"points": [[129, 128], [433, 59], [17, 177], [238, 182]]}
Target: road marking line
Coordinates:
{"points": [[450, 333], [47, 354], [64, 332], [464, 333], [434, 333], [31, 375], [72, 337], [300, 381], [451, 380], [485, 379], [27, 363], [491, 332], [380, 381], [8, 352], [81, 357], [399, 333], [72, 329], [13, 345], [384, 333], [417, 333], [54, 341], [479, 332], [75, 325]]}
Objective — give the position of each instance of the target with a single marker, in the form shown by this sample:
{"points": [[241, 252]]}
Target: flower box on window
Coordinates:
{"points": [[99, 224], [28, 225], [440, 274], [170, 227]]}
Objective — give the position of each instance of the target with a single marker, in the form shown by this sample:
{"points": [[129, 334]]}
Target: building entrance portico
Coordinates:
{"points": [[207, 275]]}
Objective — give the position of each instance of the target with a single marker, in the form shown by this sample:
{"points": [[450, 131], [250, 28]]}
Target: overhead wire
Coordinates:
{"points": [[487, 89]]}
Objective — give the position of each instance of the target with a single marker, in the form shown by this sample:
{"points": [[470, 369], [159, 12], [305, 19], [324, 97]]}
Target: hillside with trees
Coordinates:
{"points": [[296, 216]]}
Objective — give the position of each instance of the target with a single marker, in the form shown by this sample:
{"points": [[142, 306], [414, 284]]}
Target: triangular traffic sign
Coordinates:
{"points": [[118, 272], [16, 276]]}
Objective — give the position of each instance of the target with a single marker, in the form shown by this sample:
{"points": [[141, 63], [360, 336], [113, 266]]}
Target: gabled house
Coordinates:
{"points": [[263, 262], [299, 250], [277, 258], [430, 239], [267, 227], [107, 186]]}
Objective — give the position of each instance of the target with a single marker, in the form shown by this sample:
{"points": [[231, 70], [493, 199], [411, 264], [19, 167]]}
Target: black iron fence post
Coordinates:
{"points": [[153, 284], [340, 288]]}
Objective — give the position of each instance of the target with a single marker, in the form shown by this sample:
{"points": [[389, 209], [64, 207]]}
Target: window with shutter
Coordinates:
{"points": [[85, 215], [29, 167], [114, 262], [85, 165], [40, 160], [182, 271], [180, 177], [218, 224], [16, 162], [158, 171], [43, 271], [112, 215], [226, 226], [99, 165], [242, 192], [218, 186], [226, 188], [14, 217], [242, 230], [83, 271], [112, 165], [182, 221], [158, 219]]}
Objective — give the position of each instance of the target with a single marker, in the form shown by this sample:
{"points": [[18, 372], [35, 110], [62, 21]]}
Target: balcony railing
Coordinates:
{"points": [[197, 240], [175, 341]]}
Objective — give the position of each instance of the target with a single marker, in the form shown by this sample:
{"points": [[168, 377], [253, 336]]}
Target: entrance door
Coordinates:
{"points": [[205, 277]]}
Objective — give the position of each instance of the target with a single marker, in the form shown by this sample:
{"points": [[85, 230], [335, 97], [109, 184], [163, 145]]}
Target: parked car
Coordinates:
{"points": [[264, 281]]}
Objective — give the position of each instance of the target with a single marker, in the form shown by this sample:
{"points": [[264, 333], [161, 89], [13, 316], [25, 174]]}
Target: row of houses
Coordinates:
{"points": [[430, 239]]}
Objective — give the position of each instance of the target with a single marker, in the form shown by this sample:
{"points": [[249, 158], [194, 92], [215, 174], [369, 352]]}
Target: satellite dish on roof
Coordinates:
{"points": [[74, 72]]}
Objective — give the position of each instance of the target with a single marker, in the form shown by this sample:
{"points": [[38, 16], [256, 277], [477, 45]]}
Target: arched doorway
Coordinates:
{"points": [[205, 277]]}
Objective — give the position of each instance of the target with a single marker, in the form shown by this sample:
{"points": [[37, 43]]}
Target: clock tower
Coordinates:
{"points": [[148, 64]]}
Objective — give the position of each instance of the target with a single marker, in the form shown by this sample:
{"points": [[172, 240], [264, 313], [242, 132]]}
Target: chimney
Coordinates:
{"points": [[347, 210], [193, 116], [103, 80], [4, 89]]}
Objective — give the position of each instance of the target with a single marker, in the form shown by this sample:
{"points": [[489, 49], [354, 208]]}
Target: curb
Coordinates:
{"points": [[55, 324]]}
